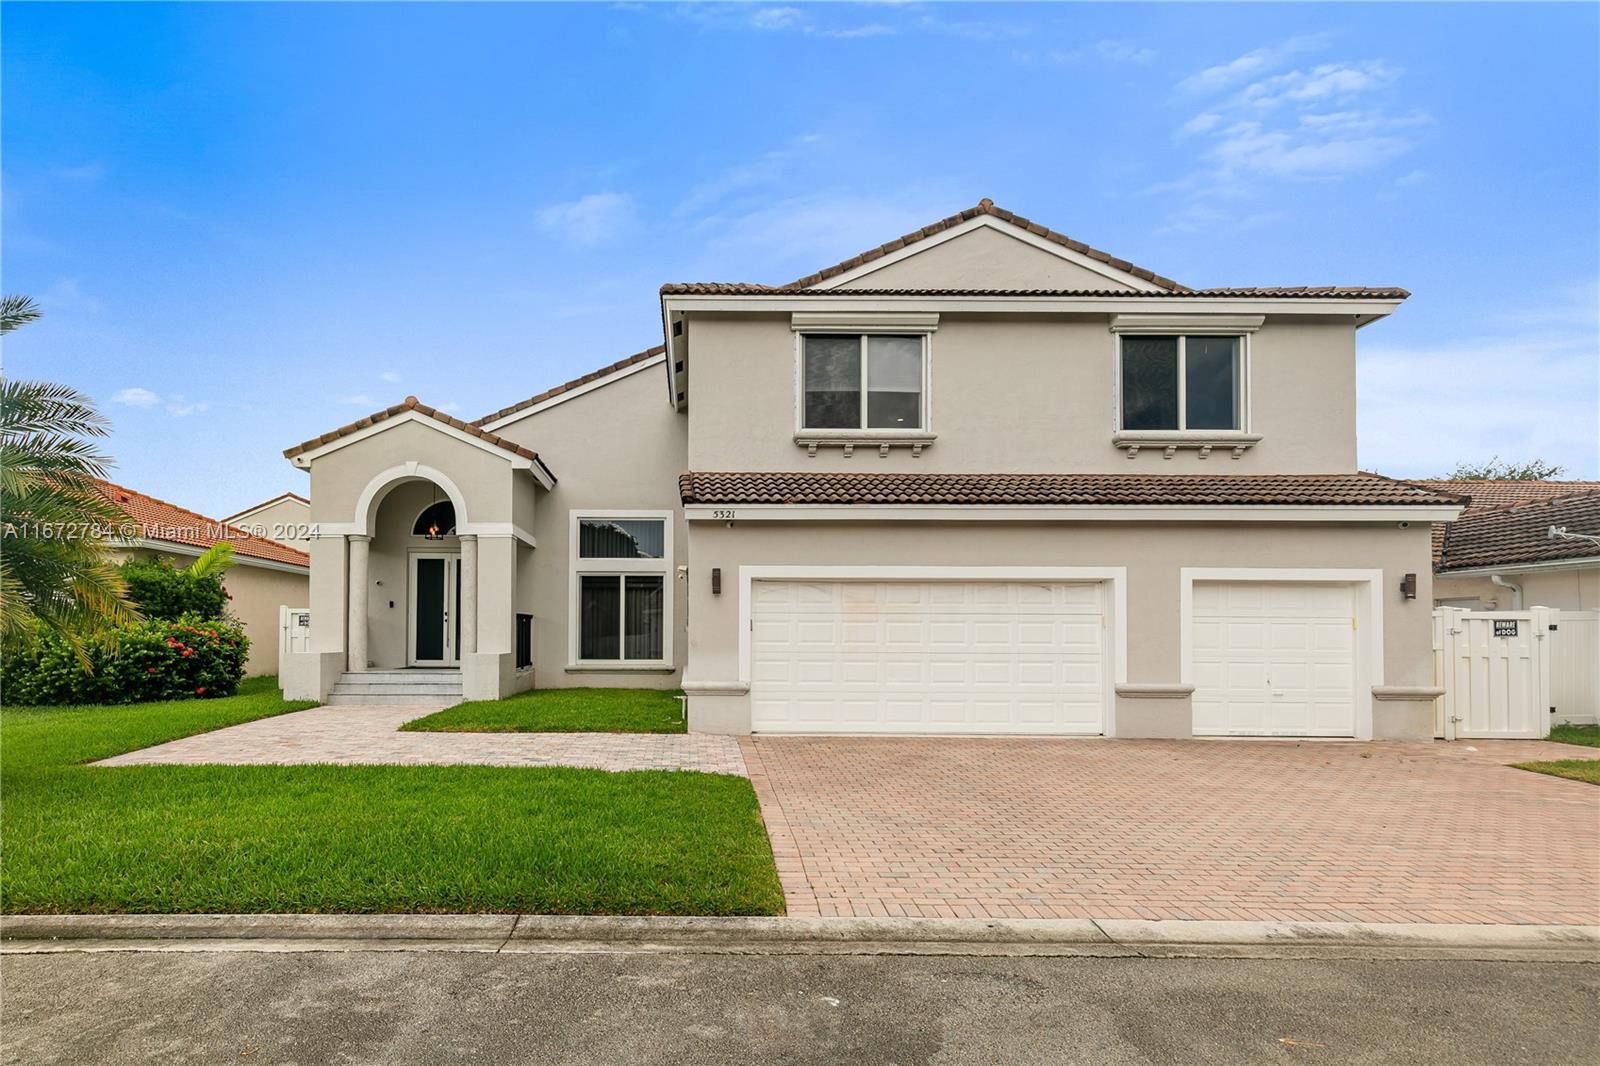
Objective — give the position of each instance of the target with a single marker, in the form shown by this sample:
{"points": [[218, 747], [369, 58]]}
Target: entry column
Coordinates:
{"points": [[356, 603], [469, 594]]}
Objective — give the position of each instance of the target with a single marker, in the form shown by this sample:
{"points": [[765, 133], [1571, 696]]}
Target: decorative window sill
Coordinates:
{"points": [[850, 440], [1169, 442], [620, 667]]}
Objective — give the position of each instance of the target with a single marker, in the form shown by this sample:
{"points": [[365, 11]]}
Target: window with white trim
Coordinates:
{"points": [[1186, 383], [621, 592], [863, 381]]}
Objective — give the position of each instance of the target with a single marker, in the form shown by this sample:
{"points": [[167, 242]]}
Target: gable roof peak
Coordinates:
{"points": [[986, 208]]}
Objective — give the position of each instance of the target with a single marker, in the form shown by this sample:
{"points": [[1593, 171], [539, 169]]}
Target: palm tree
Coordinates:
{"points": [[55, 574]]}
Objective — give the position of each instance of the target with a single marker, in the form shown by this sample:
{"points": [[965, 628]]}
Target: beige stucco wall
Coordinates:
{"points": [[257, 592], [1569, 590], [1153, 554], [282, 520], [983, 259], [619, 447], [1021, 393]]}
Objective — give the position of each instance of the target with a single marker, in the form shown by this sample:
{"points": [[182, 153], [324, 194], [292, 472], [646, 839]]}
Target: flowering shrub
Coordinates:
{"points": [[163, 591], [186, 658]]}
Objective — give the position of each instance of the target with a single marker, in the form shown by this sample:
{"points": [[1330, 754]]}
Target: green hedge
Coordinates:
{"points": [[186, 658], [163, 591]]}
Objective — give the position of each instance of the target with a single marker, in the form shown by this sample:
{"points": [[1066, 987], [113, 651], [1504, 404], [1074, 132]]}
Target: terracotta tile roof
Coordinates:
{"points": [[163, 521], [1486, 495], [620, 364], [1083, 489], [1303, 292], [1519, 533], [411, 404], [984, 207]]}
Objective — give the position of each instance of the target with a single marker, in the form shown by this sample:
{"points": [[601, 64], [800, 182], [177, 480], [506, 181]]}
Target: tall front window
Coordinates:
{"points": [[862, 381], [1182, 383], [621, 589]]}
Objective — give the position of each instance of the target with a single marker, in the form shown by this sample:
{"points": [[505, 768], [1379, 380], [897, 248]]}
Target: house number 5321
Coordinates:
{"points": [[728, 515]]}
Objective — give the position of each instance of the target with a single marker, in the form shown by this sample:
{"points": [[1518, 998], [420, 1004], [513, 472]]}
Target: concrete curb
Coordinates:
{"points": [[562, 934]]}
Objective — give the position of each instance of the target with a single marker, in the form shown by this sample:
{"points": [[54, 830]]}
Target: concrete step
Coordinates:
{"points": [[400, 686], [374, 699]]}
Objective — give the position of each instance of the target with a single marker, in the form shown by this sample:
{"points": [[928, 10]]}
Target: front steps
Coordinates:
{"points": [[404, 688]]}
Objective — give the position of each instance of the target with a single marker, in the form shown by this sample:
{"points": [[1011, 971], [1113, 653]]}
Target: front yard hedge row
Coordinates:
{"points": [[186, 658]]}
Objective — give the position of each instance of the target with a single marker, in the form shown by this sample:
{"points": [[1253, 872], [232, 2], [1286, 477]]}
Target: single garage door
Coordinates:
{"points": [[1274, 659], [927, 657]]}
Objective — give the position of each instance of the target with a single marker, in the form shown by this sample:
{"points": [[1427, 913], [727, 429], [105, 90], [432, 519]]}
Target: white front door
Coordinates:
{"points": [[928, 657], [433, 632], [1274, 659]]}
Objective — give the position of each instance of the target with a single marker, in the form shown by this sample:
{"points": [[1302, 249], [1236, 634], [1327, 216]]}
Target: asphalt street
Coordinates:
{"points": [[453, 1007]]}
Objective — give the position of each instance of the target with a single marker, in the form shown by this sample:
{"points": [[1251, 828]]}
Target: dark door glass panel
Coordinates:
{"points": [[621, 538], [430, 609], [455, 609], [1149, 383], [832, 382], [599, 604], [643, 623], [1211, 371]]}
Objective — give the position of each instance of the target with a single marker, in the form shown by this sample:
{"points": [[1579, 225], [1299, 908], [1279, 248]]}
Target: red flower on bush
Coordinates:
{"points": [[187, 652], [150, 670], [201, 691]]}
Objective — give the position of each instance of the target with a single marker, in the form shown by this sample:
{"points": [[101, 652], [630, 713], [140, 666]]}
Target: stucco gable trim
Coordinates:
{"points": [[264, 504], [999, 225], [534, 466]]}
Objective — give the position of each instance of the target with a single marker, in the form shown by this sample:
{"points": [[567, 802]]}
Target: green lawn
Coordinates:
{"points": [[1587, 735], [1577, 769], [355, 838], [563, 710]]}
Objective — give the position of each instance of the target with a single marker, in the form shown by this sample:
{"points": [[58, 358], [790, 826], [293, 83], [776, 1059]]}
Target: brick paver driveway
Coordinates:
{"points": [[1244, 830]]}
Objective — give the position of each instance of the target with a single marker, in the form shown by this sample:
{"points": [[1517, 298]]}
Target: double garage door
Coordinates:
{"points": [[954, 657]]}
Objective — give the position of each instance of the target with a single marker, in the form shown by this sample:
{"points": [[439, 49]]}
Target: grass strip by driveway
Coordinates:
{"points": [[563, 710], [250, 839], [1577, 769], [1587, 735]]}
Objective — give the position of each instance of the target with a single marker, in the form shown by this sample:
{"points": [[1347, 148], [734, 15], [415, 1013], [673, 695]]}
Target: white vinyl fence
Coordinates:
{"points": [[1494, 667], [294, 632], [1575, 667]]}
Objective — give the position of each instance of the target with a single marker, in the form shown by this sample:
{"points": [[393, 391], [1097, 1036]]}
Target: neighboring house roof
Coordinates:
{"points": [[778, 487], [411, 404], [565, 387], [1304, 292], [1486, 495], [268, 503], [984, 207], [158, 520], [1518, 533]]}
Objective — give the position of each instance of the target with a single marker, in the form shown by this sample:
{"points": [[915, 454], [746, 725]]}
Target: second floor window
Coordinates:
{"points": [[862, 381], [1182, 383]]}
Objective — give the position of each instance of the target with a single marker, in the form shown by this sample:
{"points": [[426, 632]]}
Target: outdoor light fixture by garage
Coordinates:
{"points": [[1408, 586]]}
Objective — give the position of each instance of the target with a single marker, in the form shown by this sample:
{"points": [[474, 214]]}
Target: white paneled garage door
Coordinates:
{"points": [[1274, 659], [927, 657]]}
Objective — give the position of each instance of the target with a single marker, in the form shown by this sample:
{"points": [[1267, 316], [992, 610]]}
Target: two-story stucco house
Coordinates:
{"points": [[982, 479]]}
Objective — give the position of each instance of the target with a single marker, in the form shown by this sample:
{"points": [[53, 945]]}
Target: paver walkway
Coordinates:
{"points": [[354, 735], [1241, 830]]}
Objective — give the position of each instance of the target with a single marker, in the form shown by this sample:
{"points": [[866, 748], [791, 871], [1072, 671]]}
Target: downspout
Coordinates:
{"points": [[1516, 590]]}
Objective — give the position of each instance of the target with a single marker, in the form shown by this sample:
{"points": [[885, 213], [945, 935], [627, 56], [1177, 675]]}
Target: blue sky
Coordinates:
{"points": [[250, 224]]}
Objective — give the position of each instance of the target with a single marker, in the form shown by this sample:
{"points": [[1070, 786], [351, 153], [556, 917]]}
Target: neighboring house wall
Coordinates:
{"points": [[1020, 394], [619, 447], [284, 520], [1576, 589], [257, 592]]}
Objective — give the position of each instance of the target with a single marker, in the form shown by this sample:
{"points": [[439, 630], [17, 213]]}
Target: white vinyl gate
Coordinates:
{"points": [[1575, 667], [294, 632], [1494, 667]]}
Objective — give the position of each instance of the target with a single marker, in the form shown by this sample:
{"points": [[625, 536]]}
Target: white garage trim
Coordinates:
{"points": [[1369, 621], [1115, 578]]}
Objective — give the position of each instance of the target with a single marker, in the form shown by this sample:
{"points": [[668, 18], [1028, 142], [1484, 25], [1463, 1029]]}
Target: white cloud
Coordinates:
{"points": [[1522, 387], [778, 18], [590, 221], [136, 397], [389, 376], [359, 399], [450, 408], [178, 407], [1123, 52], [85, 174], [1318, 83], [767, 168], [1204, 122], [1250, 65]]}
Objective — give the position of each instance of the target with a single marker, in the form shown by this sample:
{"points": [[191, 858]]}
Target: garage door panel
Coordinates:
{"points": [[1273, 658], [928, 657]]}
